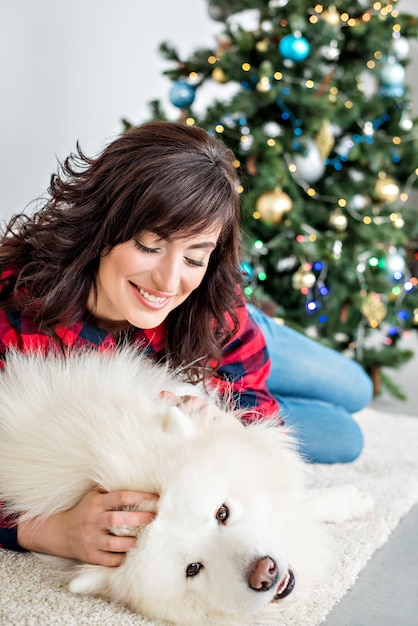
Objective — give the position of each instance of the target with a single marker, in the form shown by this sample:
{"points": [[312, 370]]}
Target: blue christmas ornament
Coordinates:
{"points": [[247, 271], [182, 94], [392, 91], [294, 48]]}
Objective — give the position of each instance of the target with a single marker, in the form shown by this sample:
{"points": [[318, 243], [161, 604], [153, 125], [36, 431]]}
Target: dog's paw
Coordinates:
{"points": [[359, 503], [90, 579], [342, 503]]}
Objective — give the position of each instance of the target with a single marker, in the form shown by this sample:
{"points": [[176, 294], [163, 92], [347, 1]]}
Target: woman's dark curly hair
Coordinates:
{"points": [[163, 177]]}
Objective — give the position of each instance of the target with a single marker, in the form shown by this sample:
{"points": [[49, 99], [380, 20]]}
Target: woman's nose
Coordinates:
{"points": [[166, 276]]}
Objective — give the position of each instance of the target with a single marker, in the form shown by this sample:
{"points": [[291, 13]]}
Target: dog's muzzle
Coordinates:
{"points": [[264, 575]]}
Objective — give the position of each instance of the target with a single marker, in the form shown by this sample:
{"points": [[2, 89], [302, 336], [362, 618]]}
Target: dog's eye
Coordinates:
{"points": [[193, 569], [222, 514]]}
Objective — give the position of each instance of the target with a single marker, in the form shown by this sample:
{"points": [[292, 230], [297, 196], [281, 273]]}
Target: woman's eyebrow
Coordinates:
{"points": [[202, 244]]}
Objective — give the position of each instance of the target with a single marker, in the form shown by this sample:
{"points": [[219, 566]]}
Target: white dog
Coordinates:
{"points": [[236, 528]]}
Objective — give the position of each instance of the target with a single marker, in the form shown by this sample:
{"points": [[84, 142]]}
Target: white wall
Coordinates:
{"points": [[70, 70]]}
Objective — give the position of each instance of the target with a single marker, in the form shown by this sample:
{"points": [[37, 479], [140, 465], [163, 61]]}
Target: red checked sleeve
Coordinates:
{"points": [[244, 371]]}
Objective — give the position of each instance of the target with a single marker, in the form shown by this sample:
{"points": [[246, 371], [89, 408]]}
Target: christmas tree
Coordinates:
{"points": [[312, 99]]}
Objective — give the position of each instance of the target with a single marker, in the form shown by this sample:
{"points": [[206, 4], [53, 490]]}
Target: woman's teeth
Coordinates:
{"points": [[150, 296]]}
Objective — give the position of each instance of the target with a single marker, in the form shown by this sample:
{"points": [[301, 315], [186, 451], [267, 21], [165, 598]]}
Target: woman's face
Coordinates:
{"points": [[140, 281]]}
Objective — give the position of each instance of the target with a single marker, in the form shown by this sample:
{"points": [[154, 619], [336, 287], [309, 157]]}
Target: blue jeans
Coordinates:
{"points": [[318, 389]]}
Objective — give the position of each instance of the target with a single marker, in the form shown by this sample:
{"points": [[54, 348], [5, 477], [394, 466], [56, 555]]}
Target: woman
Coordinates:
{"points": [[141, 244]]}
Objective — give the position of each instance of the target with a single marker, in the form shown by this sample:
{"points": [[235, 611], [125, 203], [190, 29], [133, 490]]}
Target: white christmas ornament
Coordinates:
{"points": [[392, 73], [405, 122], [358, 202], [272, 129], [344, 145], [310, 166], [356, 175], [395, 263], [400, 48]]}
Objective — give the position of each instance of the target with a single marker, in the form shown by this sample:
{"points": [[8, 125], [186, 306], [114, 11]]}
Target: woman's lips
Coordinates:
{"points": [[150, 300]]}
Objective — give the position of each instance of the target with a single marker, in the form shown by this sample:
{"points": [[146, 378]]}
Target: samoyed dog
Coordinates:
{"points": [[236, 528]]}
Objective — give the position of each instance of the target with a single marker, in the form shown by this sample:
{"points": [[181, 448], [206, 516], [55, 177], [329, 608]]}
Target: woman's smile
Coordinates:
{"points": [[151, 299]]}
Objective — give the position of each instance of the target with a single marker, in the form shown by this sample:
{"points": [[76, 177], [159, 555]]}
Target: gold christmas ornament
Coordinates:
{"points": [[263, 85], [272, 206], [331, 16], [374, 309], [262, 45], [325, 139], [386, 188], [338, 220], [219, 75], [303, 278]]}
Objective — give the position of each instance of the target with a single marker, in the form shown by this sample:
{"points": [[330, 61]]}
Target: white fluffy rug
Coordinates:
{"points": [[29, 595]]}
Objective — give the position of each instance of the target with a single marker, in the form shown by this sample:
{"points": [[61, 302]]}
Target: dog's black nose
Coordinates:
{"points": [[264, 574]]}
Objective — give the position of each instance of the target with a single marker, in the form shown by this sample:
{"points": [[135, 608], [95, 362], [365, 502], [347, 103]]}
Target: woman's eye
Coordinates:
{"points": [[143, 248], [194, 263], [193, 569], [222, 514]]}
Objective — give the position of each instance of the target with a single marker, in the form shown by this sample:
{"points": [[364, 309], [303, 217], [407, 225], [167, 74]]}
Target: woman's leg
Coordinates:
{"points": [[325, 433], [304, 368], [317, 389]]}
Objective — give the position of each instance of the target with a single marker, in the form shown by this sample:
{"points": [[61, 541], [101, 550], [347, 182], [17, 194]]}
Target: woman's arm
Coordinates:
{"points": [[83, 532], [245, 369]]}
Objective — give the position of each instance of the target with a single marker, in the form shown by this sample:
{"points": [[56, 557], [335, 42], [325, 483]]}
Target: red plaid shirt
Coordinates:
{"points": [[243, 371]]}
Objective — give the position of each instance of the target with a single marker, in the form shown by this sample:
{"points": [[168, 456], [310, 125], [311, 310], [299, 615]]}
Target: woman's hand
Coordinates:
{"points": [[207, 411], [83, 532]]}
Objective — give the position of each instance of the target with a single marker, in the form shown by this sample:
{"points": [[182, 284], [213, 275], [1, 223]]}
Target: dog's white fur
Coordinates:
{"points": [[67, 425]]}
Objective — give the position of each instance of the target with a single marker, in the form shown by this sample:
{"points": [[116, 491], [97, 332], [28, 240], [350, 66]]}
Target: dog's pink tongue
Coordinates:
{"points": [[286, 586]]}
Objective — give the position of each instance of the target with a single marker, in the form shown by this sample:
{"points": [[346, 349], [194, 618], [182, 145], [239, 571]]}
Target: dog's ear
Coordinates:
{"points": [[91, 580], [179, 423]]}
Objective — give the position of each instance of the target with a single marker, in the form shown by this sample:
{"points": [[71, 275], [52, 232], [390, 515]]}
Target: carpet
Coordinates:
{"points": [[388, 469]]}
